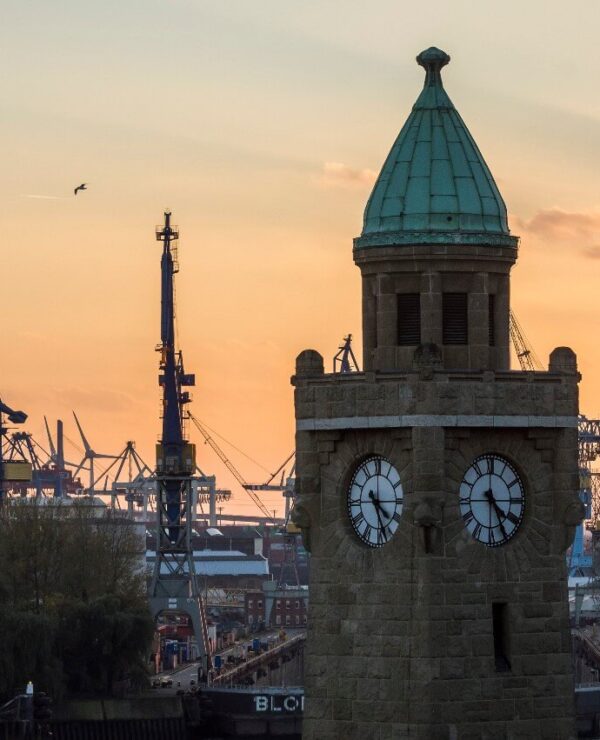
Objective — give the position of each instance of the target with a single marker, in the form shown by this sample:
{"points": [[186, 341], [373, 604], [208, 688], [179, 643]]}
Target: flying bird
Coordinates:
{"points": [[80, 187]]}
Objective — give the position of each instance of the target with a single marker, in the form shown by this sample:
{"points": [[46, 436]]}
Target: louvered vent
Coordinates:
{"points": [[409, 319], [492, 319], [455, 318]]}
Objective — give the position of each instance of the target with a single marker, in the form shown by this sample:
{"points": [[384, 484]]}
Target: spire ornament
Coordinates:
{"points": [[432, 60]]}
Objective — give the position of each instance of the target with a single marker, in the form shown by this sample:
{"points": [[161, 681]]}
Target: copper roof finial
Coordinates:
{"points": [[433, 59]]}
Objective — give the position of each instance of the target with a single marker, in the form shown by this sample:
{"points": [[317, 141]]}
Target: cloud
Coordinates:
{"points": [[113, 401], [337, 174], [569, 229], [46, 197]]}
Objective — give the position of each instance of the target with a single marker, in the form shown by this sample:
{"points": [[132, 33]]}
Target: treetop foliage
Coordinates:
{"points": [[74, 616]]}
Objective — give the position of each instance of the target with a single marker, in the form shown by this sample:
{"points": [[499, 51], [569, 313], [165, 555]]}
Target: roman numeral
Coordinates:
{"points": [[358, 518], [512, 517], [377, 462], [396, 517], [492, 539], [367, 532], [483, 466], [477, 531], [515, 482], [467, 516]]}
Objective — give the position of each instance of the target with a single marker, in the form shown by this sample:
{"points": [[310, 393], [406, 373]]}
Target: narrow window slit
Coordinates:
{"points": [[501, 637]]}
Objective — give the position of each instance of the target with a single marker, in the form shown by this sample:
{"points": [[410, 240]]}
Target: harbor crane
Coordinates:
{"points": [[527, 358], [589, 450], [250, 488], [174, 586], [344, 360], [6, 472]]}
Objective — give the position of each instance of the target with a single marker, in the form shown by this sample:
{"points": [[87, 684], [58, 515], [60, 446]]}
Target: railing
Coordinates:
{"points": [[248, 666]]}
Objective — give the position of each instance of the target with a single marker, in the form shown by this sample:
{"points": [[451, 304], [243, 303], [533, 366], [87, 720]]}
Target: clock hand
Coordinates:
{"points": [[381, 524], [377, 503], [490, 497]]}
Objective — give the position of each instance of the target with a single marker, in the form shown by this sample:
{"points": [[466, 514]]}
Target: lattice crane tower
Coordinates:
{"points": [[174, 587]]}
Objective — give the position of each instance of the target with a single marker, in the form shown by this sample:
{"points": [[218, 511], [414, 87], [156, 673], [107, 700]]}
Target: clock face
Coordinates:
{"points": [[375, 501], [492, 500]]}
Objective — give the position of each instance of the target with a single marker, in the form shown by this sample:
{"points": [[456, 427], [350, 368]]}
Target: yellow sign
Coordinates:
{"points": [[16, 470]]}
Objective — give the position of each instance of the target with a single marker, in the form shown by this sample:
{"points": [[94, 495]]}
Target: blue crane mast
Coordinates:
{"points": [[175, 456], [174, 587]]}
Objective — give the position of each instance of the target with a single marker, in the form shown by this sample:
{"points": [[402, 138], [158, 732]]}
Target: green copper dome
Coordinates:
{"points": [[435, 186]]}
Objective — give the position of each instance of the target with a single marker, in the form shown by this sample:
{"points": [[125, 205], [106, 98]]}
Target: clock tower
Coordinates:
{"points": [[437, 489]]}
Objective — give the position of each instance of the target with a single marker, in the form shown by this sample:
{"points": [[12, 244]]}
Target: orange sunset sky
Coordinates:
{"points": [[262, 125]]}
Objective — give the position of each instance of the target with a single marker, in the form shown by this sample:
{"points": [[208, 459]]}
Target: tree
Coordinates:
{"points": [[74, 616]]}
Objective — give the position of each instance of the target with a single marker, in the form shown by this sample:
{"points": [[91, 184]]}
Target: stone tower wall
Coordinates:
{"points": [[401, 638], [431, 270]]}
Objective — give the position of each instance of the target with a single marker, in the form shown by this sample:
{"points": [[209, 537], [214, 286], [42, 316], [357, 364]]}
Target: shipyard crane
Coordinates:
{"points": [[589, 450], [526, 356], [56, 454], [140, 483], [53, 456], [41, 471], [250, 488], [24, 446], [14, 417], [6, 472], [174, 584], [344, 360], [59, 478], [286, 484]]}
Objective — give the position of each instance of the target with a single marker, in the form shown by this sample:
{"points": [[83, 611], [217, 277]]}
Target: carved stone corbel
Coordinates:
{"points": [[300, 516], [572, 516], [427, 516]]}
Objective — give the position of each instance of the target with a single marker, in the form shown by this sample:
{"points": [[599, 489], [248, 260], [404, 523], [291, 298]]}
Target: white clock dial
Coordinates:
{"points": [[375, 500], [492, 500]]}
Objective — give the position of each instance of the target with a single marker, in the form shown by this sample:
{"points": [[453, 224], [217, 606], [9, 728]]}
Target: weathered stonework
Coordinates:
{"points": [[400, 640]]}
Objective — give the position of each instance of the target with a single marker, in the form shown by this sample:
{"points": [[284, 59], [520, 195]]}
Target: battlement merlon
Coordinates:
{"points": [[431, 396]]}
